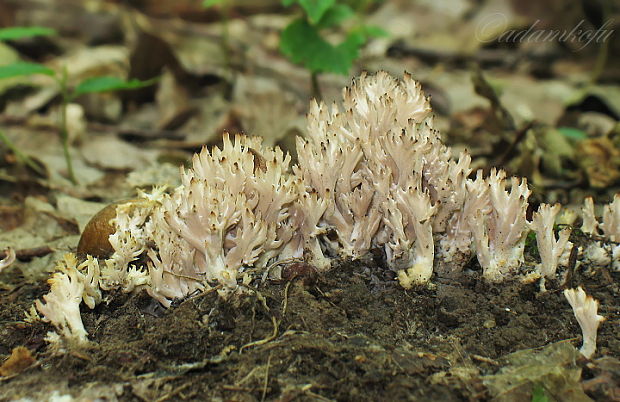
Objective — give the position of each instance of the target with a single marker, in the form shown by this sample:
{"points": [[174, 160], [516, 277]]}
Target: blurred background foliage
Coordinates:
{"points": [[530, 86]]}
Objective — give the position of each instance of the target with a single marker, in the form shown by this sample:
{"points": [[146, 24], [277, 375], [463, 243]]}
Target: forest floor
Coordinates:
{"points": [[544, 110], [350, 334]]}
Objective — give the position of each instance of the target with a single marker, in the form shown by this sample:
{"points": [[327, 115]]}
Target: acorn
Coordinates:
{"points": [[95, 237]]}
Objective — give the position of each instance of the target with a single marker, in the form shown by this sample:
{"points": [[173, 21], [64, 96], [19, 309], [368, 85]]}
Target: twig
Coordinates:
{"points": [[317, 396], [519, 136], [242, 381], [273, 336], [236, 389], [266, 382], [29, 253], [173, 392], [285, 301], [485, 360], [135, 132]]}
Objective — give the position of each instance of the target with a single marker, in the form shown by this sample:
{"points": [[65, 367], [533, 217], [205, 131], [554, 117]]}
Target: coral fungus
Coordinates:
{"points": [[372, 174]]}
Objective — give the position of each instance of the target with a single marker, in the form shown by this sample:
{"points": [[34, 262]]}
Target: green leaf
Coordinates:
{"points": [[107, 84], [539, 394], [211, 3], [288, 3], [573, 133], [302, 43], [531, 246], [24, 32], [316, 8], [375, 31], [22, 68], [335, 15], [349, 51]]}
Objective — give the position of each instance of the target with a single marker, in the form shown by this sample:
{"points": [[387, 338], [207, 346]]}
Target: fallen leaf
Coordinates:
{"points": [[19, 361], [112, 153], [553, 367], [600, 159]]}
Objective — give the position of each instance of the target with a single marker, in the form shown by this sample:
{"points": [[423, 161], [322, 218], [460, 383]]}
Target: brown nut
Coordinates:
{"points": [[94, 240]]}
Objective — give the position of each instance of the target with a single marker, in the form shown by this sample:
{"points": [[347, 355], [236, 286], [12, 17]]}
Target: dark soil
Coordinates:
{"points": [[350, 335]]}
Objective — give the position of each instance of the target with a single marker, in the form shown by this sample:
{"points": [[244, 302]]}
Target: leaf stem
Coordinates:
{"points": [[64, 132], [21, 157], [316, 87]]}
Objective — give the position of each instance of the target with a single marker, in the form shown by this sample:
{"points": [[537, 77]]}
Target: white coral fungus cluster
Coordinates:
{"points": [[605, 250], [387, 179], [549, 248], [499, 228], [585, 309], [70, 285], [372, 174]]}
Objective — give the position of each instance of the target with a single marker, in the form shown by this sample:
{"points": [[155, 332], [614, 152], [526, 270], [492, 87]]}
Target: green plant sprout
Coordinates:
{"points": [[304, 42], [90, 85]]}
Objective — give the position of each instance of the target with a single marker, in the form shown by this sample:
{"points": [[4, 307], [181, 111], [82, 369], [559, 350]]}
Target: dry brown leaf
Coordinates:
{"points": [[20, 360], [113, 153], [601, 161]]}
